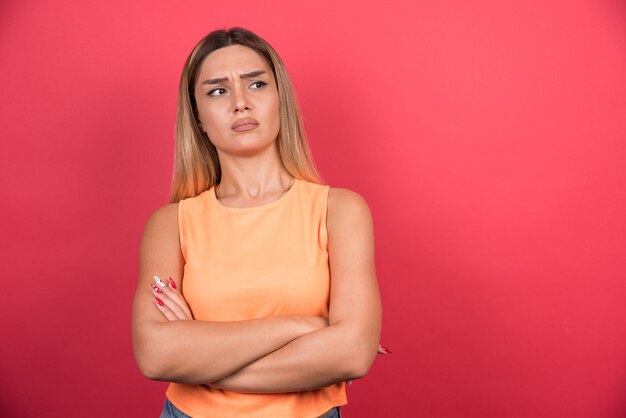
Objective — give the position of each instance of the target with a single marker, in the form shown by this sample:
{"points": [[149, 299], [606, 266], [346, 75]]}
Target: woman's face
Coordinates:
{"points": [[237, 100]]}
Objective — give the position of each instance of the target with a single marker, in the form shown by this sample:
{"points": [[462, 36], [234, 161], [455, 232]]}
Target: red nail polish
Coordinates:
{"points": [[156, 289], [172, 283], [385, 349], [159, 301]]}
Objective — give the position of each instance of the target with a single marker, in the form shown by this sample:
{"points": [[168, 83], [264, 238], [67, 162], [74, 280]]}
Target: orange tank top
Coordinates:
{"points": [[247, 263]]}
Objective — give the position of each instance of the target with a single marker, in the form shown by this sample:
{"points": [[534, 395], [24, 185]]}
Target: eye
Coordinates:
{"points": [[258, 84], [216, 92]]}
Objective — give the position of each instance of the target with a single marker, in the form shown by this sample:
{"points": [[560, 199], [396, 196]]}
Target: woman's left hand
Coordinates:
{"points": [[169, 301]]}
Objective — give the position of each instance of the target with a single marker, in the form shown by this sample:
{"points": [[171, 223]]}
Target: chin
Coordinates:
{"points": [[249, 146]]}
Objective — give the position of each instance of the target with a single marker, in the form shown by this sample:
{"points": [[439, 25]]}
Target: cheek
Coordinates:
{"points": [[213, 131], [208, 118], [205, 118], [275, 113]]}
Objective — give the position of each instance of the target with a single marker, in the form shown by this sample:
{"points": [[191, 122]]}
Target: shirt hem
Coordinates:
{"points": [[193, 412]]}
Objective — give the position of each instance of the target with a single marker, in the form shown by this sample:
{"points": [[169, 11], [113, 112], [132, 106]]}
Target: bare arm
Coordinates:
{"points": [[346, 349], [190, 351]]}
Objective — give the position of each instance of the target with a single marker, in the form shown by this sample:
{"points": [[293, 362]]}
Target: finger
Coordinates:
{"points": [[164, 300], [178, 297], [163, 304], [383, 350], [175, 300], [167, 313]]}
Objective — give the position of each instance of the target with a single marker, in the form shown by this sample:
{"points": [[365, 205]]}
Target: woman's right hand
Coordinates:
{"points": [[383, 350], [313, 323]]}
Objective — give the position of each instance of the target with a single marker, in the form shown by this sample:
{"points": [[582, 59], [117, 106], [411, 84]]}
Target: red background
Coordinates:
{"points": [[487, 137]]}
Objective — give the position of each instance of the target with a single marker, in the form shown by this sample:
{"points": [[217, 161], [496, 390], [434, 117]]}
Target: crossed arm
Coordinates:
{"points": [[277, 354]]}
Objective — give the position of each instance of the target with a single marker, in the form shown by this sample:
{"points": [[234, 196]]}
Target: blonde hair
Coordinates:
{"points": [[196, 163]]}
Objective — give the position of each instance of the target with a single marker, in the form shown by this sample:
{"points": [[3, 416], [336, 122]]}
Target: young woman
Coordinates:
{"points": [[257, 293]]}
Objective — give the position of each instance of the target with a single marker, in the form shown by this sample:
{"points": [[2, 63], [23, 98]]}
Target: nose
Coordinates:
{"points": [[240, 101]]}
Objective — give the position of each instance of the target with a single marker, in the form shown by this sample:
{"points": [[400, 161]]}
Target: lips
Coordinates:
{"points": [[244, 124]]}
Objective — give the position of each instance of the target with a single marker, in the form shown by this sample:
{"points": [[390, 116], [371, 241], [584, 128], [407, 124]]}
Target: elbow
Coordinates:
{"points": [[155, 348], [149, 357], [149, 366], [360, 358], [360, 367], [149, 373]]}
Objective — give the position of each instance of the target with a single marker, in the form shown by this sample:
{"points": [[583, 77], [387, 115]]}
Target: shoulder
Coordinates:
{"points": [[347, 208], [160, 248], [162, 222], [344, 200], [164, 215]]}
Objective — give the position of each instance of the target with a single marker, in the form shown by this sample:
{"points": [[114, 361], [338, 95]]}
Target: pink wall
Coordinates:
{"points": [[488, 139]]}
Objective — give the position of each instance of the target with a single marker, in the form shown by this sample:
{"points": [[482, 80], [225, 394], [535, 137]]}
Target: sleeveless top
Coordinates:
{"points": [[247, 263]]}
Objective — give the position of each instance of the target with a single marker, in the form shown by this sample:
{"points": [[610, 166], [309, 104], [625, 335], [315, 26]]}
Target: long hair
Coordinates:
{"points": [[196, 163]]}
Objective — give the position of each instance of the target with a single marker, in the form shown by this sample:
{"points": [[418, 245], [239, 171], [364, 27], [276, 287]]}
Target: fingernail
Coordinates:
{"points": [[159, 301], [385, 349], [156, 289], [159, 281], [172, 283]]}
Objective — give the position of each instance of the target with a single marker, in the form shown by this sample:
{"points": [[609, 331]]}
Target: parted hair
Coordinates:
{"points": [[196, 163]]}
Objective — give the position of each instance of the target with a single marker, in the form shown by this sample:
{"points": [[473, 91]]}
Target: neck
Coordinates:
{"points": [[253, 178]]}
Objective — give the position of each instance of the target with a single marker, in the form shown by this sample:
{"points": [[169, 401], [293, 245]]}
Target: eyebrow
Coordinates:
{"points": [[251, 74]]}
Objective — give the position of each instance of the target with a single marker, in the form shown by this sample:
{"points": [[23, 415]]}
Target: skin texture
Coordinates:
{"points": [[290, 353]]}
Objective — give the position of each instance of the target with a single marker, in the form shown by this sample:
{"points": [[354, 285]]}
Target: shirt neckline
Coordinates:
{"points": [[280, 200]]}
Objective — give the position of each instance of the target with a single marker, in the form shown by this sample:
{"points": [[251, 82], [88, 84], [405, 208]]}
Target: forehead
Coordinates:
{"points": [[233, 59]]}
